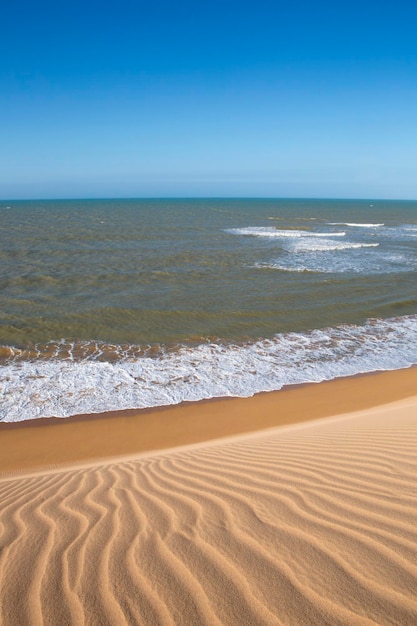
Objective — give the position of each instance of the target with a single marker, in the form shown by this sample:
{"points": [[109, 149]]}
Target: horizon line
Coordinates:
{"points": [[181, 197]]}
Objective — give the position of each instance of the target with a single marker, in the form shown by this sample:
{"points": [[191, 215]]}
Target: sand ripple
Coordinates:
{"points": [[310, 525]]}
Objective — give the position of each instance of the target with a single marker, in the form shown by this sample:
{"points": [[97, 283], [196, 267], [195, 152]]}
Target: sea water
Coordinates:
{"points": [[113, 304]]}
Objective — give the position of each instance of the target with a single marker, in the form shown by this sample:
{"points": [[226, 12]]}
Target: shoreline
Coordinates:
{"points": [[313, 520], [52, 442]]}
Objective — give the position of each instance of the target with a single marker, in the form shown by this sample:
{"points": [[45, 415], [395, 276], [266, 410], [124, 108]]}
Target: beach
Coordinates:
{"points": [[208, 315], [292, 507], [208, 412]]}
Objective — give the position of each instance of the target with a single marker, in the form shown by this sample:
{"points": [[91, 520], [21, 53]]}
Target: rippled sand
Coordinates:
{"points": [[313, 523]]}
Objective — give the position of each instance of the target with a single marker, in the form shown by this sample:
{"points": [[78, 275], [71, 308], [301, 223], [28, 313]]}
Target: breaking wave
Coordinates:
{"points": [[355, 225], [328, 246], [144, 377], [268, 231]]}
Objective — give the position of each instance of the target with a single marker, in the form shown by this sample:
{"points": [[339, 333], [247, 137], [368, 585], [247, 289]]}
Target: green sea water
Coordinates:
{"points": [[150, 271]]}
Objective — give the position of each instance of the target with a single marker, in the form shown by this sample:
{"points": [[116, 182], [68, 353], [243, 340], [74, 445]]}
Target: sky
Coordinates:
{"points": [[168, 99]]}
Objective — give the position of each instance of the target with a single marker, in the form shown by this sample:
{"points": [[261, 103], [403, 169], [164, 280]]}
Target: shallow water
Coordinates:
{"points": [[128, 303]]}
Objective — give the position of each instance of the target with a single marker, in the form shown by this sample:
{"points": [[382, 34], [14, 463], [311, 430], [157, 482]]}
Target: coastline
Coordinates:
{"points": [[52, 442], [313, 522]]}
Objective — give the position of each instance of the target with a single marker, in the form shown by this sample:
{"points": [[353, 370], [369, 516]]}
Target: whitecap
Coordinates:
{"points": [[268, 231], [275, 265], [355, 225], [330, 262], [328, 246]]}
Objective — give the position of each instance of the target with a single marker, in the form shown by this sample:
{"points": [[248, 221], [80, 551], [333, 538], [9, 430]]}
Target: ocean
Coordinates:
{"points": [[114, 304]]}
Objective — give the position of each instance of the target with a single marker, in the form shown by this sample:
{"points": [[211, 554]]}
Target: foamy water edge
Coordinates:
{"points": [[61, 388]]}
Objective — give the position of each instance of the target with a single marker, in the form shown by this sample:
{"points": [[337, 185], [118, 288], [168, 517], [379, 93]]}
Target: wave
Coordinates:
{"points": [[328, 246], [268, 231], [306, 260], [356, 225], [63, 386], [300, 269]]}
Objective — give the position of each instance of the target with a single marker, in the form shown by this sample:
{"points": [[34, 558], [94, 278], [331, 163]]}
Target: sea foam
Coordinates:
{"points": [[268, 231], [355, 225], [44, 388], [330, 260], [328, 245]]}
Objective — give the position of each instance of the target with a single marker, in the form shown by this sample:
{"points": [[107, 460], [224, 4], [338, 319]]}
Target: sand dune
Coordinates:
{"points": [[311, 524]]}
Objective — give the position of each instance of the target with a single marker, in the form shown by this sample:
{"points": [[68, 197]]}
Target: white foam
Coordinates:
{"points": [[275, 265], [411, 231], [401, 233], [355, 225], [61, 388], [268, 231], [328, 246], [329, 262]]}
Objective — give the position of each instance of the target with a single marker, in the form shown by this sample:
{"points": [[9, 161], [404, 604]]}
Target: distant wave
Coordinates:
{"points": [[327, 246], [63, 387], [268, 231], [324, 261], [355, 224], [275, 265]]}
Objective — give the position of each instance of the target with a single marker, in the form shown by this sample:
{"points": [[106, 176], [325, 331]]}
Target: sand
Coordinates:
{"points": [[313, 522], [53, 442]]}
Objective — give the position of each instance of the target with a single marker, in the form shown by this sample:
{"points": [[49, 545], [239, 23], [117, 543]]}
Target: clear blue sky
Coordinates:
{"points": [[135, 98]]}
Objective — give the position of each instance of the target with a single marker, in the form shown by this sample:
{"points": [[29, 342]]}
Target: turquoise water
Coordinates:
{"points": [[157, 301]]}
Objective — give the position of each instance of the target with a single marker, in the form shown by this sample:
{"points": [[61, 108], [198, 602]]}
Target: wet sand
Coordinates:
{"points": [[56, 441]]}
